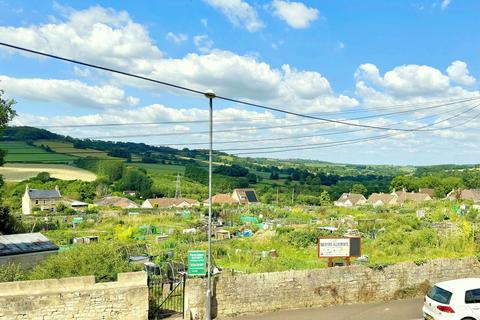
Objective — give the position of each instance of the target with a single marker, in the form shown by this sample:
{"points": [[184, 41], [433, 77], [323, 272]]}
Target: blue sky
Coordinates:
{"points": [[323, 57]]}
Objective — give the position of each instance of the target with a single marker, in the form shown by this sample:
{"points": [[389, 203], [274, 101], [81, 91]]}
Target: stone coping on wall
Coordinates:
{"points": [[84, 283], [254, 293]]}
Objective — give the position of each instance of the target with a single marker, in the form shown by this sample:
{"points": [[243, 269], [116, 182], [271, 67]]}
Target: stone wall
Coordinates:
{"points": [[267, 292], [76, 298]]}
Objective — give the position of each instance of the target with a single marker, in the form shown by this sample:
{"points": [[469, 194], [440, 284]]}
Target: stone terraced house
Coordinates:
{"points": [[38, 199]]}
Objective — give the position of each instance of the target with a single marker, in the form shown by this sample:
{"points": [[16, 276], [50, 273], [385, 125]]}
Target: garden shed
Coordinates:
{"points": [[26, 249]]}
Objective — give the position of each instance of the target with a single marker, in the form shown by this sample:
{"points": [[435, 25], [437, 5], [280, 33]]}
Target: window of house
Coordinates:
{"points": [[36, 201], [44, 201]]}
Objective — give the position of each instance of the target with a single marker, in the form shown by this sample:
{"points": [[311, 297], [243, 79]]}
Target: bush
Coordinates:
{"points": [[11, 272], [302, 238], [103, 260], [284, 230]]}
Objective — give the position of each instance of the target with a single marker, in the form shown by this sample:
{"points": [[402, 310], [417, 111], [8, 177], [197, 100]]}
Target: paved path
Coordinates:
{"points": [[392, 310]]}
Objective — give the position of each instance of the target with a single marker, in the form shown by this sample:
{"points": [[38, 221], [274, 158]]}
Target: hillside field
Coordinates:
{"points": [[157, 168], [18, 151], [23, 171], [67, 148]]}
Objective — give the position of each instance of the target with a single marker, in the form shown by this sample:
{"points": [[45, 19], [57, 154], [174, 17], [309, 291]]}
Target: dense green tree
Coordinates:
{"points": [[196, 174], [119, 153], [135, 179], [251, 178], [359, 188], [8, 223], [111, 169], [148, 158], [232, 171], [325, 198], [7, 113], [43, 177], [274, 176]]}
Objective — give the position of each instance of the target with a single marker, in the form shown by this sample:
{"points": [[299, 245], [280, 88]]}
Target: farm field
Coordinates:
{"points": [[67, 148], [23, 171], [23, 152], [157, 168]]}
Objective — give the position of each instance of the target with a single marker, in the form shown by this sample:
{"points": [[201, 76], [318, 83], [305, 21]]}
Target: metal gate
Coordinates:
{"points": [[165, 296]]}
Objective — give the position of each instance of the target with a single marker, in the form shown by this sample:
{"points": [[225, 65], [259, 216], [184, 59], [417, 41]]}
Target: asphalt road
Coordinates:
{"points": [[392, 310]]}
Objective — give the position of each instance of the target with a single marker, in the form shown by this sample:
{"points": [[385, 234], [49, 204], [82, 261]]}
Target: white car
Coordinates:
{"points": [[453, 300]]}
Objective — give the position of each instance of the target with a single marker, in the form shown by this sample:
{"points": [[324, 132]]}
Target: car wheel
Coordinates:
{"points": [[468, 318]]}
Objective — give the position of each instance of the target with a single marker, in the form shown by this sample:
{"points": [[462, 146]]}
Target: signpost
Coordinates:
{"points": [[196, 263], [344, 248], [77, 220]]}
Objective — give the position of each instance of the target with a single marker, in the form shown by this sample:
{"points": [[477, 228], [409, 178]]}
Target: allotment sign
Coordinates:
{"points": [[196, 263], [339, 247]]}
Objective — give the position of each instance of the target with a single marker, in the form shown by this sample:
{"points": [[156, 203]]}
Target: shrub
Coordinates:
{"points": [[103, 260], [11, 272], [302, 238]]}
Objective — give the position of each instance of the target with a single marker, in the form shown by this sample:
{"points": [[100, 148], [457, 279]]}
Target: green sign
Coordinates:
{"points": [[196, 263], [77, 219], [248, 219]]}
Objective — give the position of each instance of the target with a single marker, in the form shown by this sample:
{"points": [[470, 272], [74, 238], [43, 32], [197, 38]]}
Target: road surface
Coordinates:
{"points": [[392, 310]]}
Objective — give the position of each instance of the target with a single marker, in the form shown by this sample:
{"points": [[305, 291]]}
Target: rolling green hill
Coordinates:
{"points": [[300, 178], [20, 151]]}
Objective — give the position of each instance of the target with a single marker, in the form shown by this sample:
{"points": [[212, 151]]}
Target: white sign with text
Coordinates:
{"points": [[334, 248]]}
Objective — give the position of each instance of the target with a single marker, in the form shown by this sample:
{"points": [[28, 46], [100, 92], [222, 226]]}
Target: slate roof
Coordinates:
{"points": [[43, 194], [14, 244]]}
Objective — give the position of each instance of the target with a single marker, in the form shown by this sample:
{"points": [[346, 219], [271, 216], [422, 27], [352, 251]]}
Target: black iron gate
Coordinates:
{"points": [[165, 296]]}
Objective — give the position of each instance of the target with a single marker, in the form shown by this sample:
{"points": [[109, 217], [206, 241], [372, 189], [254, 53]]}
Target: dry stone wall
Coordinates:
{"points": [[76, 298], [267, 292]]}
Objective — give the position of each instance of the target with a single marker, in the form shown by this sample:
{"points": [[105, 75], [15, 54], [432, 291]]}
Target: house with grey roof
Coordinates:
{"points": [[39, 199], [26, 249]]}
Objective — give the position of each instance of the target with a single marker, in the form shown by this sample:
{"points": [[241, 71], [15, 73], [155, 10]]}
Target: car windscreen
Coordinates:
{"points": [[440, 295]]}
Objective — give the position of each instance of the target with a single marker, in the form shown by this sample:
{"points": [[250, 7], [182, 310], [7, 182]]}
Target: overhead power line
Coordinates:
{"points": [[444, 104], [243, 129], [184, 88], [227, 120], [358, 140], [95, 66]]}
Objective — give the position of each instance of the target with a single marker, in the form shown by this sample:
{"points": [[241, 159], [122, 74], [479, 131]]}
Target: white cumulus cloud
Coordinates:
{"points": [[228, 73], [72, 92], [295, 14], [411, 84], [239, 13], [459, 73], [96, 34]]}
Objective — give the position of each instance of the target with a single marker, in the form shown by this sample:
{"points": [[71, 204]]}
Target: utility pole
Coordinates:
{"points": [[293, 195], [178, 188], [277, 196], [210, 95]]}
